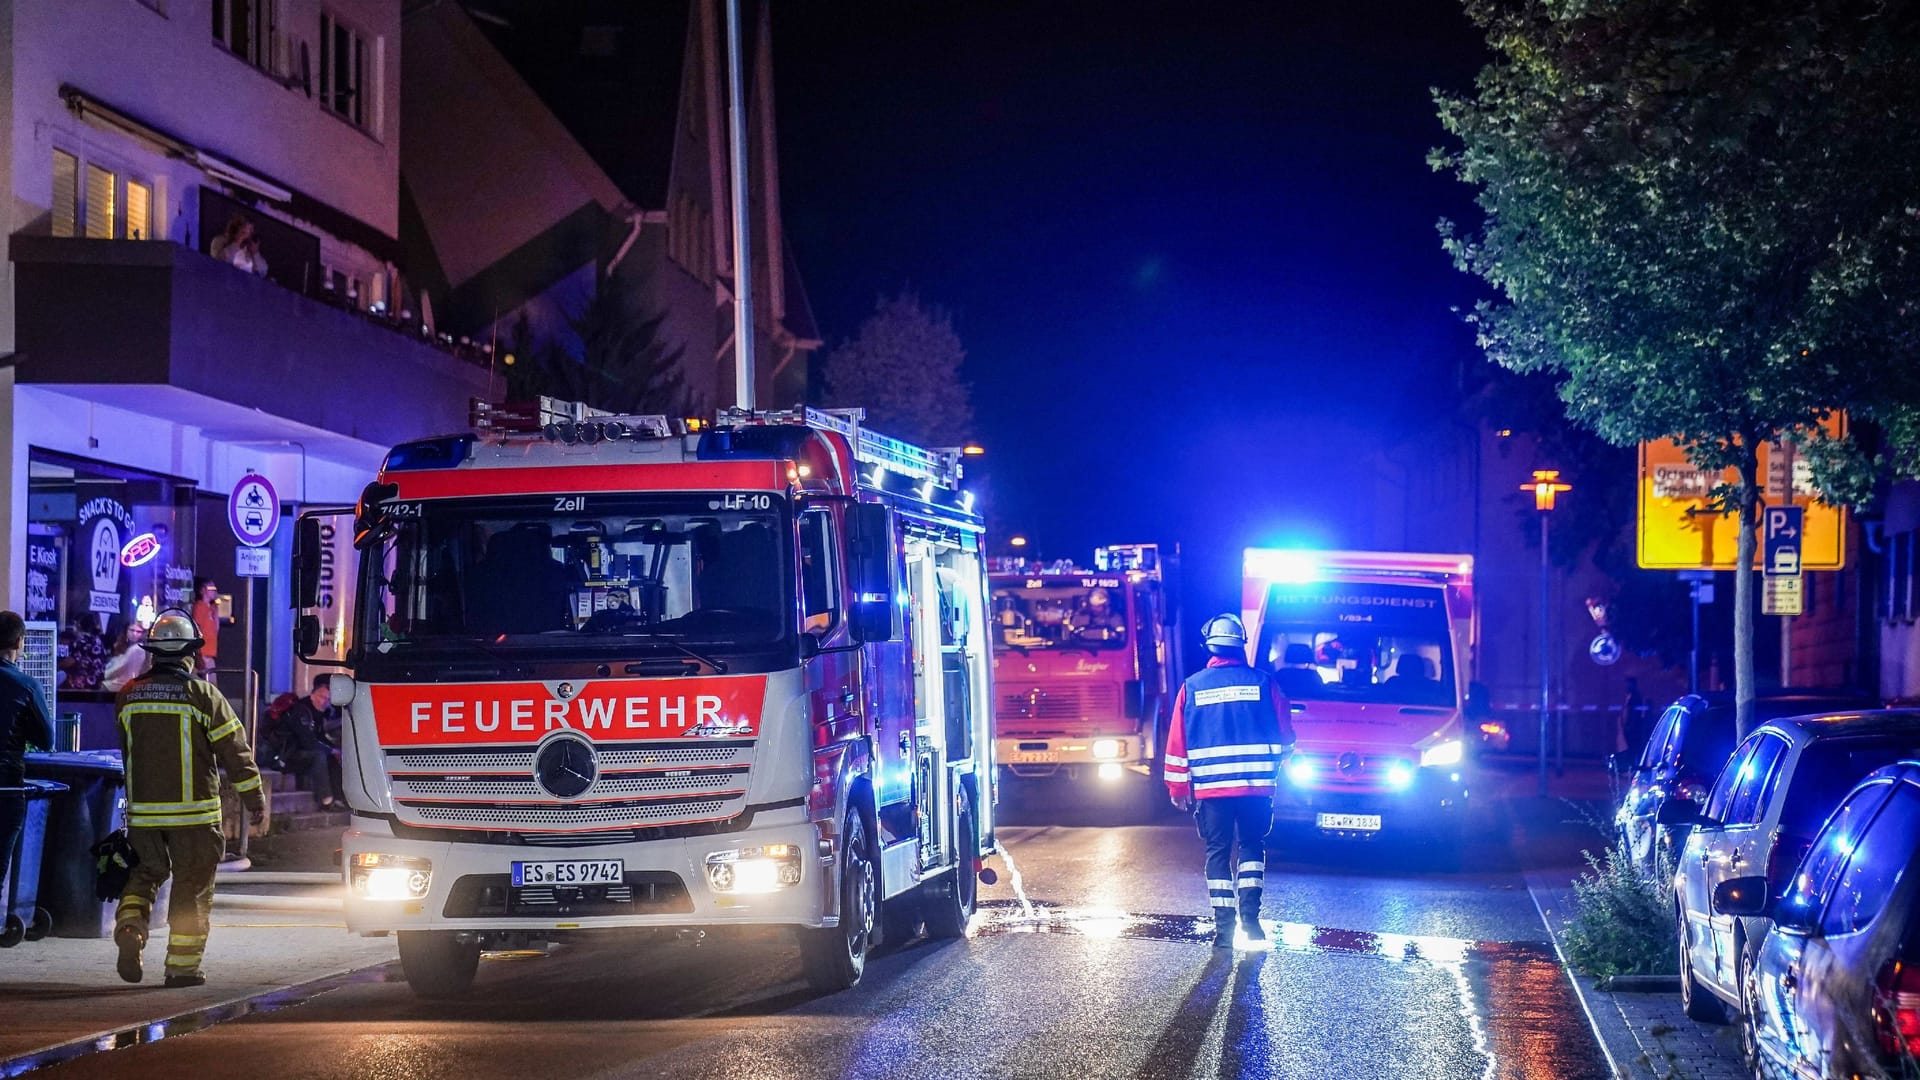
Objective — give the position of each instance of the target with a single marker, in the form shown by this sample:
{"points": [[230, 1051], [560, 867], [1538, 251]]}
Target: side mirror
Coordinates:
{"points": [[872, 554], [1742, 896], [306, 563], [306, 636], [1677, 811], [367, 516], [809, 646]]}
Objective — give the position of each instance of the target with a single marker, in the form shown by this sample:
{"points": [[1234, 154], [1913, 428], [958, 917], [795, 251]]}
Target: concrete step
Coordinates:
{"points": [[310, 821], [293, 802], [279, 781]]}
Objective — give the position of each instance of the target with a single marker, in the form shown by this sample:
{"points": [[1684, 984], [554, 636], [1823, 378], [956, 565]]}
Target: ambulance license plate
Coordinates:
{"points": [[1037, 757], [1351, 822], [582, 872]]}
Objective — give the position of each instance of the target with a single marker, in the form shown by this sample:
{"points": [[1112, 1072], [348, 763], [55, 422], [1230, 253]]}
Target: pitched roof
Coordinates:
{"points": [[487, 168], [610, 70]]}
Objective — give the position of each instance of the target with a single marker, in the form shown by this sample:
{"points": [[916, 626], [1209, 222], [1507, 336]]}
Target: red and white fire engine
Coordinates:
{"points": [[1374, 649], [1085, 663], [610, 672]]}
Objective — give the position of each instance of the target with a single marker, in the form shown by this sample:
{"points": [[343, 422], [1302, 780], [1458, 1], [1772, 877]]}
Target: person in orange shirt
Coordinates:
{"points": [[206, 616]]}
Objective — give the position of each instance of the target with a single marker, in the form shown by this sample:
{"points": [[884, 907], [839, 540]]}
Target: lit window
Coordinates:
{"points": [[100, 192], [66, 193], [139, 211], [343, 71]]}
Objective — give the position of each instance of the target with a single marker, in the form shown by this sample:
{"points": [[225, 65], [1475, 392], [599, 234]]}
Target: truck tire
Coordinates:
{"points": [[437, 963], [950, 902], [834, 957]]}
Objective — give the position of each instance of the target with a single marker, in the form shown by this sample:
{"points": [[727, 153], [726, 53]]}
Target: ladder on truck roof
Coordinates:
{"points": [[941, 467]]}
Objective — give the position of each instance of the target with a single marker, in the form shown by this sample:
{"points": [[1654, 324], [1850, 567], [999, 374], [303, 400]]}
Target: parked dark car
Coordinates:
{"points": [[1834, 989], [1772, 796], [1684, 752]]}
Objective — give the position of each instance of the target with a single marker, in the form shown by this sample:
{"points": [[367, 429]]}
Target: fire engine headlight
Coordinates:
{"points": [[764, 869], [1446, 753], [1106, 748], [390, 877], [1399, 775], [1300, 772]]}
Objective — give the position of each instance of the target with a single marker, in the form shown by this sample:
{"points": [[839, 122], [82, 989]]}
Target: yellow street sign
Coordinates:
{"points": [[1782, 596], [1679, 529]]}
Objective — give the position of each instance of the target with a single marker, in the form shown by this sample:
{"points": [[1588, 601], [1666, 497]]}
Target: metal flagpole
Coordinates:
{"points": [[742, 258]]}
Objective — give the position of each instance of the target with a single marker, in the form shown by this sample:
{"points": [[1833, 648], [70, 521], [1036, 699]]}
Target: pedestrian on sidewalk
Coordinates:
{"points": [[1231, 729], [175, 728], [24, 721]]}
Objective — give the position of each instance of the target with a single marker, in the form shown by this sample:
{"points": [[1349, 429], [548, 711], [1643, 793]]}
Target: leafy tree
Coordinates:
{"points": [[617, 361], [1701, 217], [903, 368]]}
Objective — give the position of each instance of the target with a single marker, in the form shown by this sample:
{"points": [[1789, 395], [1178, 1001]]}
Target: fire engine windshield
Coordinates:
{"points": [[554, 571], [1039, 614], [1358, 641]]}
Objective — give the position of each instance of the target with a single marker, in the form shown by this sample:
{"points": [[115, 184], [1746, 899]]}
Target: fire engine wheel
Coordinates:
{"points": [[437, 963], [834, 957], [951, 902]]}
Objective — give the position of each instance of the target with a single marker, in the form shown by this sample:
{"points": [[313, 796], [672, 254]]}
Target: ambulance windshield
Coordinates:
{"points": [[608, 569], [1040, 614], [1359, 641]]}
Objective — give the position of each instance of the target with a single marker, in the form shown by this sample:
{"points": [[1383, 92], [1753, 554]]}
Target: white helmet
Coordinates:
{"points": [[173, 634], [1225, 631]]}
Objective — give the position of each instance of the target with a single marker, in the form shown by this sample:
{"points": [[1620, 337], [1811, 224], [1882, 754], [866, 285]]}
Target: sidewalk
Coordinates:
{"points": [[264, 938]]}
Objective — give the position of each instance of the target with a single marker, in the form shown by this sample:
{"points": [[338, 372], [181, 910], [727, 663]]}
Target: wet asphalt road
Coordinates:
{"points": [[1383, 966]]}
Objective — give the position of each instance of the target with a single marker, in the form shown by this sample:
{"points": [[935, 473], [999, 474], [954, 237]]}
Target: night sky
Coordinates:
{"points": [[1190, 247]]}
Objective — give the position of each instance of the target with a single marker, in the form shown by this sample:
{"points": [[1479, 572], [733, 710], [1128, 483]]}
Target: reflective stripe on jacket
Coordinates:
{"points": [[176, 733], [1231, 726]]}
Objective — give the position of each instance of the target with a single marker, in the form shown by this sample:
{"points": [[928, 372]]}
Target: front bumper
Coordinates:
{"points": [[1436, 802], [1044, 756], [665, 885]]}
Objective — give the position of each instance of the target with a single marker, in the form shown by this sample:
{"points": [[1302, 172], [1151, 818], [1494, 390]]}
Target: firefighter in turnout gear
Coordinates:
{"points": [[1230, 731], [175, 728]]}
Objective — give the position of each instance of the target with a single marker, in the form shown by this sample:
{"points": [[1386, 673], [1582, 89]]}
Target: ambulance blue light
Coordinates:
{"points": [[441, 453]]}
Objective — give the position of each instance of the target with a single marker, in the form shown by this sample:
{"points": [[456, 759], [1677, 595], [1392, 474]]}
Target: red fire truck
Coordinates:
{"points": [[1085, 663], [610, 672], [1374, 649]]}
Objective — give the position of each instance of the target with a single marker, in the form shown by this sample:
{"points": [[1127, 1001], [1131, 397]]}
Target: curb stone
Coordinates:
{"points": [[1645, 1034]]}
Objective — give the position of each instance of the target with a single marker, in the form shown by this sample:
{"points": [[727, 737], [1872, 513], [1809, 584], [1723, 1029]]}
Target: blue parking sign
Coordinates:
{"points": [[1781, 528]]}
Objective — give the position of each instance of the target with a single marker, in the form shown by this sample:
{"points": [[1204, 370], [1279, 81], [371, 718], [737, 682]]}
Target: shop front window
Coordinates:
{"points": [[107, 548]]}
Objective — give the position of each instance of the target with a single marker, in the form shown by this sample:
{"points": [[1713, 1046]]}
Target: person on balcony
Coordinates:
{"points": [[239, 246]]}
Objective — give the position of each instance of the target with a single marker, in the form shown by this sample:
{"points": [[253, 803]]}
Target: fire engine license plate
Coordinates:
{"points": [[1351, 822], [1037, 757], [584, 872]]}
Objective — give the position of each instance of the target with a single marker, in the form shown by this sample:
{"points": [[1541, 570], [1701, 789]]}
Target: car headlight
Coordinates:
{"points": [[1446, 753], [390, 877], [1106, 748], [763, 869]]}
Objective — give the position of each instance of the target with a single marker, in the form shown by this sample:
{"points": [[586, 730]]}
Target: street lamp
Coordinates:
{"points": [[1546, 485]]}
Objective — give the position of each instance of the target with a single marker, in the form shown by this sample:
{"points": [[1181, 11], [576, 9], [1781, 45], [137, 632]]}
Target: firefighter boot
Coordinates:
{"points": [[1250, 915], [130, 940], [1223, 920]]}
